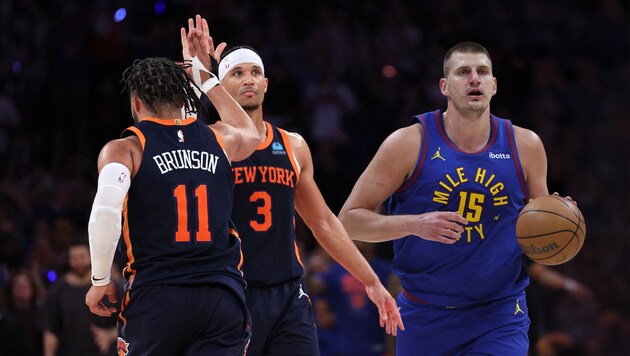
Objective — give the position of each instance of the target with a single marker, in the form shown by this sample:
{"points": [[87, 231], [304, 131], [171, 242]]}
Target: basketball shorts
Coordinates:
{"points": [[495, 328], [183, 320], [282, 320]]}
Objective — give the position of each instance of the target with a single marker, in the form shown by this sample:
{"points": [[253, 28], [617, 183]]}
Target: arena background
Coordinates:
{"points": [[563, 70]]}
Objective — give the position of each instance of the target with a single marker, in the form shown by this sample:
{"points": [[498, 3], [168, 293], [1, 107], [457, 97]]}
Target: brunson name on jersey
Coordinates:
{"points": [[186, 159]]}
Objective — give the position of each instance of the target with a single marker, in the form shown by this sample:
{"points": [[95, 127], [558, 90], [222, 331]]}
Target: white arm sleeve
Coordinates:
{"points": [[105, 219]]}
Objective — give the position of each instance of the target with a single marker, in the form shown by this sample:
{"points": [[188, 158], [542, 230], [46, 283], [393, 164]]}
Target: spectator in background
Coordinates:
{"points": [[342, 306], [330, 103], [21, 323], [68, 323], [545, 342], [590, 39], [9, 122]]}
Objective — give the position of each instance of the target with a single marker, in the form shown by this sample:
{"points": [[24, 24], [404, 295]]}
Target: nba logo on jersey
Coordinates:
{"points": [[277, 149], [180, 136]]}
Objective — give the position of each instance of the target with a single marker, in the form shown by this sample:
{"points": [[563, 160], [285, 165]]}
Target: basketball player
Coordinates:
{"points": [[171, 179], [274, 182], [453, 184]]}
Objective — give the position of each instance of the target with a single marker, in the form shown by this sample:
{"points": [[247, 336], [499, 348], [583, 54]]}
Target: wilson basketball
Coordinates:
{"points": [[550, 230]]}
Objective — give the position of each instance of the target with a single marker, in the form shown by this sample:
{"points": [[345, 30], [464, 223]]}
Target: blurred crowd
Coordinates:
{"points": [[344, 74]]}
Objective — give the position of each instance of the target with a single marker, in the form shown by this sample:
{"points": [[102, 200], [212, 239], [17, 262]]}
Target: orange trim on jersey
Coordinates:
{"points": [[297, 253], [219, 138], [123, 306], [123, 320], [232, 231], [285, 139], [171, 122], [138, 133], [267, 140], [127, 239]]}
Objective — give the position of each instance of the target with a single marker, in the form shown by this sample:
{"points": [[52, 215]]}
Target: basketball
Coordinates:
{"points": [[550, 230]]}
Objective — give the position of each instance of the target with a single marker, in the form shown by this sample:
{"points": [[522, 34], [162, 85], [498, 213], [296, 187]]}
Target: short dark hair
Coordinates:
{"points": [[160, 81], [463, 47]]}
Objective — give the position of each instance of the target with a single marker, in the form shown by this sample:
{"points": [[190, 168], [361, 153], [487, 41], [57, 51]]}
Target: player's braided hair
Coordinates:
{"points": [[158, 81]]}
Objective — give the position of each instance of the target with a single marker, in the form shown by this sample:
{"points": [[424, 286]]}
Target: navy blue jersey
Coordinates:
{"points": [[488, 189], [177, 212], [264, 213]]}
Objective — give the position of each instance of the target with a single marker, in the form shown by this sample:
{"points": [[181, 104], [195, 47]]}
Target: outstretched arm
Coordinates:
{"points": [[331, 235], [237, 130], [206, 107], [389, 169]]}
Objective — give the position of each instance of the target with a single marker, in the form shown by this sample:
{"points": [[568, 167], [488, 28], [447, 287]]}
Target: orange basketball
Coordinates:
{"points": [[550, 230]]}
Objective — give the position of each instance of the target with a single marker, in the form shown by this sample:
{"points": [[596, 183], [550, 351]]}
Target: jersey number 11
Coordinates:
{"points": [[203, 230]]}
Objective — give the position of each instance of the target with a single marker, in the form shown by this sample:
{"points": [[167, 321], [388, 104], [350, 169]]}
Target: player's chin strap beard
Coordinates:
{"points": [[250, 108]]}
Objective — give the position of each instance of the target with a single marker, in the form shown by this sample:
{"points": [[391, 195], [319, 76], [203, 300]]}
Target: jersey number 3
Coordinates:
{"points": [[203, 230], [263, 210]]}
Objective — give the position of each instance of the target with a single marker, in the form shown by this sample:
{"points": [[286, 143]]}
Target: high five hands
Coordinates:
{"points": [[197, 42]]}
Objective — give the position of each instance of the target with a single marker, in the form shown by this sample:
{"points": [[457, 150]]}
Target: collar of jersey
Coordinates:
{"points": [[171, 122], [268, 139]]}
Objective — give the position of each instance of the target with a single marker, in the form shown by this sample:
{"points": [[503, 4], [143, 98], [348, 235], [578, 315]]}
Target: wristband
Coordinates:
{"points": [[196, 67], [210, 83]]}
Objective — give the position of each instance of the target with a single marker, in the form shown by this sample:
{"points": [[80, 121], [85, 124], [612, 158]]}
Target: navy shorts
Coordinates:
{"points": [[183, 320], [282, 320], [496, 328]]}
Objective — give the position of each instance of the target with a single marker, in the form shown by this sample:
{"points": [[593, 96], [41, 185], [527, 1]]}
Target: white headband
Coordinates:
{"points": [[241, 55]]}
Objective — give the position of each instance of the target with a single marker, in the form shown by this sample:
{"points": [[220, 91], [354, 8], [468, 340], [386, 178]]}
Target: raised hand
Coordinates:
{"points": [[198, 49], [200, 25]]}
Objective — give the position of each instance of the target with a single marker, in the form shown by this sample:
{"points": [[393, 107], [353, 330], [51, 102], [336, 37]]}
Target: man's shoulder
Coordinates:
{"points": [[295, 139], [408, 134], [291, 134]]}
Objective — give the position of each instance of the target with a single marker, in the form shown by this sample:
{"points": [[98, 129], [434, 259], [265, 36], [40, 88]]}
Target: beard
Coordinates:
{"points": [[250, 107], [81, 271]]}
